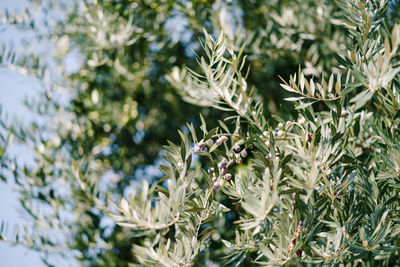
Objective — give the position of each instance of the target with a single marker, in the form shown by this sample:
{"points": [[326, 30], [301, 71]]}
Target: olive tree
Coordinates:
{"points": [[255, 178]]}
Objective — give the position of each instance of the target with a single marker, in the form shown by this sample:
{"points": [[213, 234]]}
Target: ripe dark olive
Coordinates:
{"points": [[222, 164], [309, 137], [223, 170], [299, 252]]}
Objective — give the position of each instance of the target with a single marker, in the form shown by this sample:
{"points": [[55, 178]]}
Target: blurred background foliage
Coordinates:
{"points": [[106, 107]]}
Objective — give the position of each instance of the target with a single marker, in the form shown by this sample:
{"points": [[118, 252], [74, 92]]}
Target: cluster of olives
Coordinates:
{"points": [[223, 165], [299, 252], [201, 146], [237, 154]]}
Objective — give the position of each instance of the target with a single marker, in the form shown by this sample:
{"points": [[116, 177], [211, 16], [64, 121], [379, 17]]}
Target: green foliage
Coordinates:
{"points": [[316, 189], [316, 182]]}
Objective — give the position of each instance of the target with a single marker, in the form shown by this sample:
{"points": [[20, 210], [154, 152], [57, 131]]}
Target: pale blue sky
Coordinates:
{"points": [[13, 89]]}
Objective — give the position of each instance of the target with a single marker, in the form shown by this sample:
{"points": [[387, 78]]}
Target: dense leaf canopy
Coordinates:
{"points": [[293, 158]]}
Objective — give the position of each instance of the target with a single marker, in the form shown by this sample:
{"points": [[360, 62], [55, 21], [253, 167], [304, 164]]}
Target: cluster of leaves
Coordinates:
{"points": [[326, 177], [321, 187]]}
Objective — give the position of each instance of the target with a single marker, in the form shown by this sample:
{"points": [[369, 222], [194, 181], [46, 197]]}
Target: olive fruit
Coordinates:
{"points": [[216, 185], [227, 176]]}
